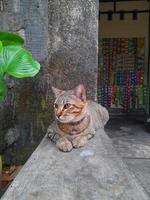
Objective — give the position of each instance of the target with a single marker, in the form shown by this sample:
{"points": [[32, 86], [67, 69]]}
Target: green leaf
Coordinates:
{"points": [[18, 62], [11, 39], [1, 60], [1, 46], [3, 89]]}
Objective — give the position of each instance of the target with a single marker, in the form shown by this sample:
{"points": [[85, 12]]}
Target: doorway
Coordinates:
{"points": [[123, 70]]}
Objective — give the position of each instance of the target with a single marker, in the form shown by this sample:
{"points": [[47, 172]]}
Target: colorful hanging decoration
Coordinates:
{"points": [[122, 68]]}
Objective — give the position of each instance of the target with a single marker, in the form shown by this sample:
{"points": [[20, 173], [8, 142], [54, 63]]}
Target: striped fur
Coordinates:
{"points": [[76, 119]]}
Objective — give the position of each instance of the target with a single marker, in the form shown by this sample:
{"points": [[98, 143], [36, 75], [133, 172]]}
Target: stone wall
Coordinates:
{"points": [[63, 36], [24, 115]]}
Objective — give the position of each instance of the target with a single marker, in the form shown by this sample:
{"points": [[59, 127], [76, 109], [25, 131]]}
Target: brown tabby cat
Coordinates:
{"points": [[76, 119]]}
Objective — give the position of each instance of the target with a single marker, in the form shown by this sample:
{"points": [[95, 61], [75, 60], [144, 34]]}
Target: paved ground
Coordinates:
{"points": [[131, 140]]}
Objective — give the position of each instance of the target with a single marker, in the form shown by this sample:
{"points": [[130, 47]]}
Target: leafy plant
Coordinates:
{"points": [[14, 60]]}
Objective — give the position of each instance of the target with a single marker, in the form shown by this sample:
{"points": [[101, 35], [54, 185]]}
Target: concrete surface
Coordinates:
{"points": [[131, 139], [94, 172], [73, 44], [24, 113]]}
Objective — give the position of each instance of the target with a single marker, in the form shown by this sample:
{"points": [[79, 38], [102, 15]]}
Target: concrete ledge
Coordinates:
{"points": [[94, 172]]}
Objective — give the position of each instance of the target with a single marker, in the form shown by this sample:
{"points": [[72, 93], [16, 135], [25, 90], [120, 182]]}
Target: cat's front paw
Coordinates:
{"points": [[52, 135], [79, 141], [64, 144]]}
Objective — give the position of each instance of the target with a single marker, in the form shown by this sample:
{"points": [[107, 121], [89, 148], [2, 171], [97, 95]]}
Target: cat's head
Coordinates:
{"points": [[69, 104]]}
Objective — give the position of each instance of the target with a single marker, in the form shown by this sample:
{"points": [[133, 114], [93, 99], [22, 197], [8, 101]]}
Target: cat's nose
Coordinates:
{"points": [[59, 114]]}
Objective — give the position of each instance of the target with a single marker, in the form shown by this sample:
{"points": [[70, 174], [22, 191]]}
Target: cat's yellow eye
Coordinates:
{"points": [[67, 105], [56, 105]]}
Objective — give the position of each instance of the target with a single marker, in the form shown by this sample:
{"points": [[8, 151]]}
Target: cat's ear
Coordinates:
{"points": [[80, 92], [56, 91]]}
